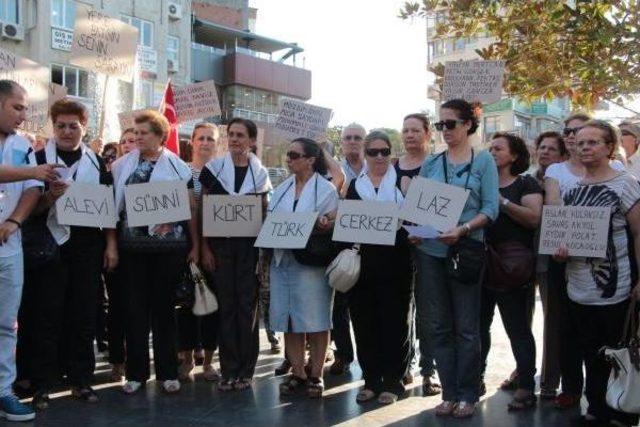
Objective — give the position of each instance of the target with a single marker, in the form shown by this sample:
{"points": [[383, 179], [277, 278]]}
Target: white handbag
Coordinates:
{"points": [[623, 389], [205, 301], [344, 270]]}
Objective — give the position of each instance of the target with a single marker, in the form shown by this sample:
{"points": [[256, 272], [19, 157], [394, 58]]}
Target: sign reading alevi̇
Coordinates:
{"points": [[87, 205], [154, 203]]}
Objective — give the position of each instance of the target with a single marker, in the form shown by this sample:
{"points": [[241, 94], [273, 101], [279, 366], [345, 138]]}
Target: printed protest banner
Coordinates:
{"points": [[231, 216], [196, 101], [103, 44], [361, 221], [582, 230], [473, 81], [286, 230], [157, 203], [299, 119], [126, 119], [87, 205], [433, 203]]}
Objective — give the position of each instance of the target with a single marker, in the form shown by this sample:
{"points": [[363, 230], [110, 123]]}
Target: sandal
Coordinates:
{"points": [[522, 403], [209, 373], [184, 370], [85, 393], [464, 410], [130, 387], [430, 387], [171, 386], [365, 395], [510, 383], [445, 408], [315, 387], [242, 384], [291, 384], [387, 398], [225, 385]]}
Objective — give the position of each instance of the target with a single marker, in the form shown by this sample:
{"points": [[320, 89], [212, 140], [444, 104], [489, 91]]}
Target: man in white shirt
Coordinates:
{"points": [[352, 143], [630, 140], [19, 194]]}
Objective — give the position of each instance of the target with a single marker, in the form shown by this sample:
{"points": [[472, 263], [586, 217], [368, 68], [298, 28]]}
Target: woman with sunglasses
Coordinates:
{"points": [[301, 298], [379, 302], [233, 260], [110, 154], [453, 306]]}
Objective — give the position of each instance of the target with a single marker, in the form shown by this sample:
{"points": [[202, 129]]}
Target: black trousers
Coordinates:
{"points": [[196, 332], [116, 316], [514, 311], [379, 305], [102, 307], [237, 291], [341, 332], [150, 280], [600, 325]]}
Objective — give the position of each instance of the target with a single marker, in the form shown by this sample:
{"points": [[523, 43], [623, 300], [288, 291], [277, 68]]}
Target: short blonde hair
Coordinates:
{"points": [[611, 134], [157, 122], [206, 125]]}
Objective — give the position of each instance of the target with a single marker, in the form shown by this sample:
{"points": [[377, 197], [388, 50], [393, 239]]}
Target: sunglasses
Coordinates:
{"points": [[449, 124], [570, 131], [292, 155], [352, 138], [109, 158], [373, 152]]}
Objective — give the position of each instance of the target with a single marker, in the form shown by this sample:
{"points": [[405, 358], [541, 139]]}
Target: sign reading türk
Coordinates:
{"points": [[286, 230], [157, 203], [231, 216]]}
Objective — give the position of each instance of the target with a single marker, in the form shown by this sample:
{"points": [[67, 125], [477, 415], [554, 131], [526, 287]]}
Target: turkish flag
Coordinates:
{"points": [[168, 108]]}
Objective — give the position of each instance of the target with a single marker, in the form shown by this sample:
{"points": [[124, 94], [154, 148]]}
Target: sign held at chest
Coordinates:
{"points": [[157, 203], [87, 205], [231, 216], [361, 221], [286, 230]]}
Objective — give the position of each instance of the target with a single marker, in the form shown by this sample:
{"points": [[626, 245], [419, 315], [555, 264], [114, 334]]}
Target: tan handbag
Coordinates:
{"points": [[205, 301], [344, 270]]}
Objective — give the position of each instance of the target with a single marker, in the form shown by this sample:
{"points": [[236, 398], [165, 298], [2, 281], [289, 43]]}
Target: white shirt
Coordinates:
{"points": [[566, 179], [633, 164], [15, 151]]}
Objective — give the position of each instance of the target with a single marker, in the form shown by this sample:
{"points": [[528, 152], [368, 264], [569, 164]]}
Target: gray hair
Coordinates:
{"points": [[354, 126]]}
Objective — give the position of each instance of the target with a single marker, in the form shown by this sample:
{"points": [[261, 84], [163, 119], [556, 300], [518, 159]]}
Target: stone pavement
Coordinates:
{"points": [[199, 404]]}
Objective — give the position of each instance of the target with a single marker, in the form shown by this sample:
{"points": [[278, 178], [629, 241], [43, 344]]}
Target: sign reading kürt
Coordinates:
{"points": [[298, 119], [582, 230], [196, 101], [473, 81], [361, 221], [433, 203], [231, 216], [103, 44], [87, 205], [286, 230], [157, 203]]}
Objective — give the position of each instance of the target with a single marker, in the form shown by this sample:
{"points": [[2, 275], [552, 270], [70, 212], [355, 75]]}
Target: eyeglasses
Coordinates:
{"points": [[588, 142], [569, 131], [352, 138], [449, 124], [292, 155], [373, 152]]}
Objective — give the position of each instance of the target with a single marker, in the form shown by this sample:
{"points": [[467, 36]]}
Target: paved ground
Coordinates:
{"points": [[199, 404]]}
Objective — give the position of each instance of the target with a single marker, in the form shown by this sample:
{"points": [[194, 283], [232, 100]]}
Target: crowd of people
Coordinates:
{"points": [[427, 299]]}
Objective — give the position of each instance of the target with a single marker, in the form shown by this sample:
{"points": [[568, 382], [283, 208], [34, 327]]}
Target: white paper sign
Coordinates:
{"points": [[299, 119], [196, 101], [154, 203], [61, 39], [360, 221], [433, 203], [422, 231], [103, 44], [582, 230], [286, 230], [473, 80], [231, 216], [87, 205]]}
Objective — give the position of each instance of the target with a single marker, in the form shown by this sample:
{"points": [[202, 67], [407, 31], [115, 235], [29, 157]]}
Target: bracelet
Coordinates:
{"points": [[13, 221], [467, 227]]}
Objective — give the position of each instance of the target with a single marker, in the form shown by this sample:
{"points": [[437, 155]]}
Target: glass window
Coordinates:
{"points": [[9, 11], [63, 13], [147, 93], [173, 48], [145, 29], [492, 124], [75, 79]]}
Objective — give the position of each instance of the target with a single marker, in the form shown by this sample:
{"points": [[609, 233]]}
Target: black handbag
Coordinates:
{"points": [[38, 245], [185, 290]]}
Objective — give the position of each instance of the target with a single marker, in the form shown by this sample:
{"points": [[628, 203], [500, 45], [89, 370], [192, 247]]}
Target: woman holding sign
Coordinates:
{"points": [[599, 289], [153, 256], [301, 298], [379, 302], [233, 260], [65, 276], [453, 263]]}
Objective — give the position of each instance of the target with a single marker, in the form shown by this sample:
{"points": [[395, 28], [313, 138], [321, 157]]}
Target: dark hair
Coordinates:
{"points": [[552, 134], [8, 87], [252, 129], [157, 122], [376, 134], [419, 116], [313, 149], [112, 146], [518, 147], [611, 134], [67, 106], [585, 117], [465, 112]]}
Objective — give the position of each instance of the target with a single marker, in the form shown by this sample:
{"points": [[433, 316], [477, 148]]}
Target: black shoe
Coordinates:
{"points": [[284, 368], [40, 400]]}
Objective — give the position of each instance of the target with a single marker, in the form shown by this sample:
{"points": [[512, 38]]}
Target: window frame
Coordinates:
{"points": [[78, 72], [175, 51], [141, 32], [64, 14]]}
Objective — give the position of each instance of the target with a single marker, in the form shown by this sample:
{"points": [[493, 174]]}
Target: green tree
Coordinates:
{"points": [[585, 50]]}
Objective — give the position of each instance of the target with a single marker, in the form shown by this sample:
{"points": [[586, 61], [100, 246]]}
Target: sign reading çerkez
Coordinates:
{"points": [[231, 216], [157, 203], [360, 221]]}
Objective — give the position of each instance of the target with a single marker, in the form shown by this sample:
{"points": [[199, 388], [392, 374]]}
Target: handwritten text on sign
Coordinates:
{"points": [[196, 101], [366, 222], [473, 80], [157, 203], [103, 44], [286, 230], [582, 230], [299, 119], [231, 216], [87, 205], [434, 203]]}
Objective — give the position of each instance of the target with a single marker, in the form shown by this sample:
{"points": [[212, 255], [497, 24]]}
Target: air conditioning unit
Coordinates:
{"points": [[12, 31], [175, 10], [173, 66]]}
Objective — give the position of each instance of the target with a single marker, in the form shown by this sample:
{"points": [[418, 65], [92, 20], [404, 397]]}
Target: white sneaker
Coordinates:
{"points": [[130, 387], [171, 386]]}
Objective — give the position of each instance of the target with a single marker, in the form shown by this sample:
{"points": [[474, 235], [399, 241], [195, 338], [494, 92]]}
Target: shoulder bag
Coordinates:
{"points": [[344, 271]]}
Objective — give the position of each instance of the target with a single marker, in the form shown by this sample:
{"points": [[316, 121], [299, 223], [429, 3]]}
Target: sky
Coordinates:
{"points": [[367, 65]]}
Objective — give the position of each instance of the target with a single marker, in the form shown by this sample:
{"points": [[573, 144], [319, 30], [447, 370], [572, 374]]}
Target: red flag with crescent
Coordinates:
{"points": [[168, 108]]}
